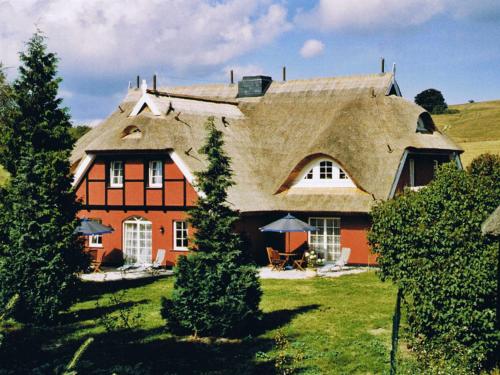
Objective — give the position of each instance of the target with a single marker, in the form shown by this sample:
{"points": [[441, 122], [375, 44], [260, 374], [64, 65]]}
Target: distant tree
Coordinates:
{"points": [[79, 131], [42, 253], [430, 245], [216, 293], [432, 100]]}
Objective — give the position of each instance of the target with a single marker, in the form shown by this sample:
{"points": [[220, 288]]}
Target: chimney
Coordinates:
{"points": [[154, 82], [284, 73], [138, 81], [252, 86], [382, 65], [231, 74], [394, 69]]}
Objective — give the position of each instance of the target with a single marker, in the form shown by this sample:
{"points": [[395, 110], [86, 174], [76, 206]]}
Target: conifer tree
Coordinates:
{"points": [[216, 292], [41, 252]]}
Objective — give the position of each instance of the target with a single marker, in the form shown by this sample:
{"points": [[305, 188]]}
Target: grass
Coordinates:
{"points": [[476, 128], [330, 326]]}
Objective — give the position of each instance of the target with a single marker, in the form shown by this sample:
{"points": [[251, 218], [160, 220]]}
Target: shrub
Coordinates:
{"points": [[212, 297], [430, 244], [216, 292]]}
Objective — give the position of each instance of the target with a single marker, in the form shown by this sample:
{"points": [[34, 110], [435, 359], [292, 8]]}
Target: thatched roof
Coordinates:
{"points": [[269, 138], [491, 226]]}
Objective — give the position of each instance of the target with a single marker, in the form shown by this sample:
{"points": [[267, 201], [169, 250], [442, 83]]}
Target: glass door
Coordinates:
{"points": [[326, 240], [137, 242]]}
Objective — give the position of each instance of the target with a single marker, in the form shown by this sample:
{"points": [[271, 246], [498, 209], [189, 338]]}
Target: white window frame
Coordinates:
{"points": [[95, 240], [336, 237], [116, 179], [183, 229], [153, 176], [308, 179]]}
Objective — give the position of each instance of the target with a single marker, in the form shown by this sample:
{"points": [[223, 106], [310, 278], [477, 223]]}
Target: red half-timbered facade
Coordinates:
{"points": [[144, 198]]}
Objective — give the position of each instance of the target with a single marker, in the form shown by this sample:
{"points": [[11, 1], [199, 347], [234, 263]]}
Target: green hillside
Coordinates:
{"points": [[476, 128]]}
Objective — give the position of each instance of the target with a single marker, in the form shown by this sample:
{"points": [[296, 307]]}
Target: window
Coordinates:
{"points": [[95, 240], [325, 170], [323, 173], [326, 240], [180, 235], [137, 240], [116, 174], [155, 173], [425, 124]]}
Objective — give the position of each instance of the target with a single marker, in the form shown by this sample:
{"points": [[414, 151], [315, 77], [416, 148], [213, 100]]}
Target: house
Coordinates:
{"points": [[323, 149]]}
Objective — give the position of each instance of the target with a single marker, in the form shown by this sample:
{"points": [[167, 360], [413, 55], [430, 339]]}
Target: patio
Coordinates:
{"points": [[113, 274], [294, 274]]}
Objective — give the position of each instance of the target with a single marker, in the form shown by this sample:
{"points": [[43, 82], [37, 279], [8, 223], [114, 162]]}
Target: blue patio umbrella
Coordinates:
{"points": [[288, 224], [89, 227]]}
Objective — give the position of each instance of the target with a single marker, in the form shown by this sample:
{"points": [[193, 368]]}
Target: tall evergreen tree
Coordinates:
{"points": [[42, 254], [216, 291]]}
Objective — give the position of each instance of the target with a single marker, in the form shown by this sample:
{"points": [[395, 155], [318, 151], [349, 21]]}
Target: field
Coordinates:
{"points": [[329, 326], [476, 128]]}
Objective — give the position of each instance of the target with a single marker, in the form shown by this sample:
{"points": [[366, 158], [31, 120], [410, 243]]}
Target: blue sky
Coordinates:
{"points": [[450, 45]]}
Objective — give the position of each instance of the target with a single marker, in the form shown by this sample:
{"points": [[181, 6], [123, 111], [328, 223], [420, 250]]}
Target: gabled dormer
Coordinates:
{"points": [[146, 101]]}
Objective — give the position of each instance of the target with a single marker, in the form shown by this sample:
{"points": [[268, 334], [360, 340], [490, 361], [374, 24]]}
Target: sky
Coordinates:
{"points": [[449, 45]]}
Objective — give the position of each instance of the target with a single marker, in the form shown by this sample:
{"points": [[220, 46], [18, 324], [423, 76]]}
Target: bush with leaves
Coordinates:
{"points": [[430, 245], [41, 255], [216, 291]]}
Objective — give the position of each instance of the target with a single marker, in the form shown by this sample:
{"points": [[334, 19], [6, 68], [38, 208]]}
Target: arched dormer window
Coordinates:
{"points": [[131, 132], [323, 173], [425, 123]]}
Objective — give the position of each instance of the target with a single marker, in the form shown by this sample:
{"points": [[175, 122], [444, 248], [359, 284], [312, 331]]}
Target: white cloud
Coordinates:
{"points": [[122, 35], [387, 14], [311, 48], [368, 14]]}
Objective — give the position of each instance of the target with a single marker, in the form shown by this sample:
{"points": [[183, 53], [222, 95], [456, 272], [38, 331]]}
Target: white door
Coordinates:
{"points": [[137, 244], [326, 240]]}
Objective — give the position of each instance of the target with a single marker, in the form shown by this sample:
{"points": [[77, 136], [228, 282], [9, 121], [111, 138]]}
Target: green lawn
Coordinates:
{"points": [[333, 326]]}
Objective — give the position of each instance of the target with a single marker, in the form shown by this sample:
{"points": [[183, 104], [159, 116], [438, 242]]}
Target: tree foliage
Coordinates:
{"points": [[41, 253], [216, 292], [79, 131], [430, 244], [432, 100]]}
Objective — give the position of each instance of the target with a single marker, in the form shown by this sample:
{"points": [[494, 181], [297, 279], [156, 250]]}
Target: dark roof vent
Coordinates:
{"points": [[252, 86]]}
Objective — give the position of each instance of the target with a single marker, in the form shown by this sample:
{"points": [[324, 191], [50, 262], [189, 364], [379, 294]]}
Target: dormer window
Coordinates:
{"points": [[323, 173], [425, 124], [131, 132]]}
